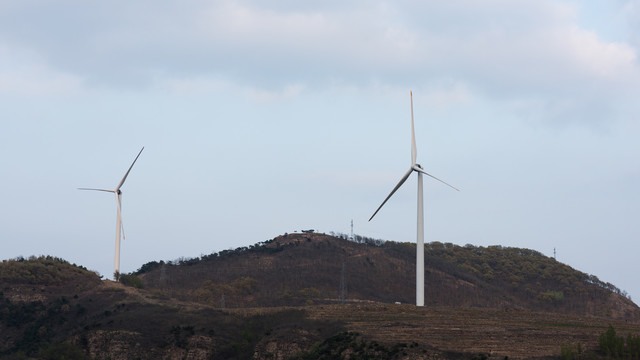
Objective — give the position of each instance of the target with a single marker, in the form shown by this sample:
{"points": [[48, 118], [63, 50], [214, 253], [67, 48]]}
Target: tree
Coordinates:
{"points": [[611, 344]]}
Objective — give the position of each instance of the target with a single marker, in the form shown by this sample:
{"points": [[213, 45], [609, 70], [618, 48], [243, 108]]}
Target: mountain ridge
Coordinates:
{"points": [[221, 306], [307, 268]]}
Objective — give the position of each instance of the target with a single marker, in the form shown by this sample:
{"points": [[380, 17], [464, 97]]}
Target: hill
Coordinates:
{"points": [[199, 308], [85, 318], [305, 269], [51, 309]]}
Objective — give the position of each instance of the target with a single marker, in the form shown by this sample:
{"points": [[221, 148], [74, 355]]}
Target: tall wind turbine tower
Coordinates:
{"points": [[420, 231], [119, 226], [352, 237]]}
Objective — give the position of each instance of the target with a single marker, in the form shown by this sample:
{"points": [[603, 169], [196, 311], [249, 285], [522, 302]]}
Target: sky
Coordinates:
{"points": [[260, 118]]}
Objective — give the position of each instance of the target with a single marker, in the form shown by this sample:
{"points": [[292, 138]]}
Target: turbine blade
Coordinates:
{"points": [[112, 191], [404, 178], [127, 174], [414, 151], [426, 173]]}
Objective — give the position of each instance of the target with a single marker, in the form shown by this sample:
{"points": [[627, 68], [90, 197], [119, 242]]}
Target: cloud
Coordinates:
{"points": [[529, 44], [526, 50], [448, 94], [631, 11], [184, 86], [23, 73], [288, 92]]}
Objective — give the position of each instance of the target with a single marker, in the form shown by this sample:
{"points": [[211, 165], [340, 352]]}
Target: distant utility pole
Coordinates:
{"points": [[343, 285], [554, 253]]}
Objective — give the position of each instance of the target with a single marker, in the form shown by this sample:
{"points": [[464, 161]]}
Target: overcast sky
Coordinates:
{"points": [[260, 118]]}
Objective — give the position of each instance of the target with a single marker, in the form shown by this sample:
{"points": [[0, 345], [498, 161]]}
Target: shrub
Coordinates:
{"points": [[62, 351], [570, 352], [131, 280]]}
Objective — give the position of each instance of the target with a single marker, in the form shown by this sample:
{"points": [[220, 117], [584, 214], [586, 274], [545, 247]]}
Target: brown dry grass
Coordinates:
{"points": [[514, 333]]}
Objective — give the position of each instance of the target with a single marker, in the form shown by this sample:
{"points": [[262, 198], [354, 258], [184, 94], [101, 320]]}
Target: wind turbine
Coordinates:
{"points": [[420, 241], [119, 226]]}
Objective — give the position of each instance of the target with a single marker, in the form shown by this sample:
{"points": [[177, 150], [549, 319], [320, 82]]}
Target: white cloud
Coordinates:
{"points": [[309, 45], [24, 74], [287, 92], [630, 18], [206, 85], [444, 94], [183, 86], [595, 58], [534, 46], [528, 49]]}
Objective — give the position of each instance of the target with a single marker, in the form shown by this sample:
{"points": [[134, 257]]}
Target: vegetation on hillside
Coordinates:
{"points": [[43, 270], [51, 309], [616, 347], [298, 269], [38, 299], [513, 264]]}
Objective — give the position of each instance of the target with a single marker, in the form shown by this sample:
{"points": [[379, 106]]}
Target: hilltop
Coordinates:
{"points": [[305, 269], [55, 310]]}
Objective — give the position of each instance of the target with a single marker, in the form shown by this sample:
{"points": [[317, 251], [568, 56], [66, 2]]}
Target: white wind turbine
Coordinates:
{"points": [[119, 226], [420, 242]]}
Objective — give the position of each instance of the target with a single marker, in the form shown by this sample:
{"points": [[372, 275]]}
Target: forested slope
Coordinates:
{"points": [[315, 268], [505, 301]]}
